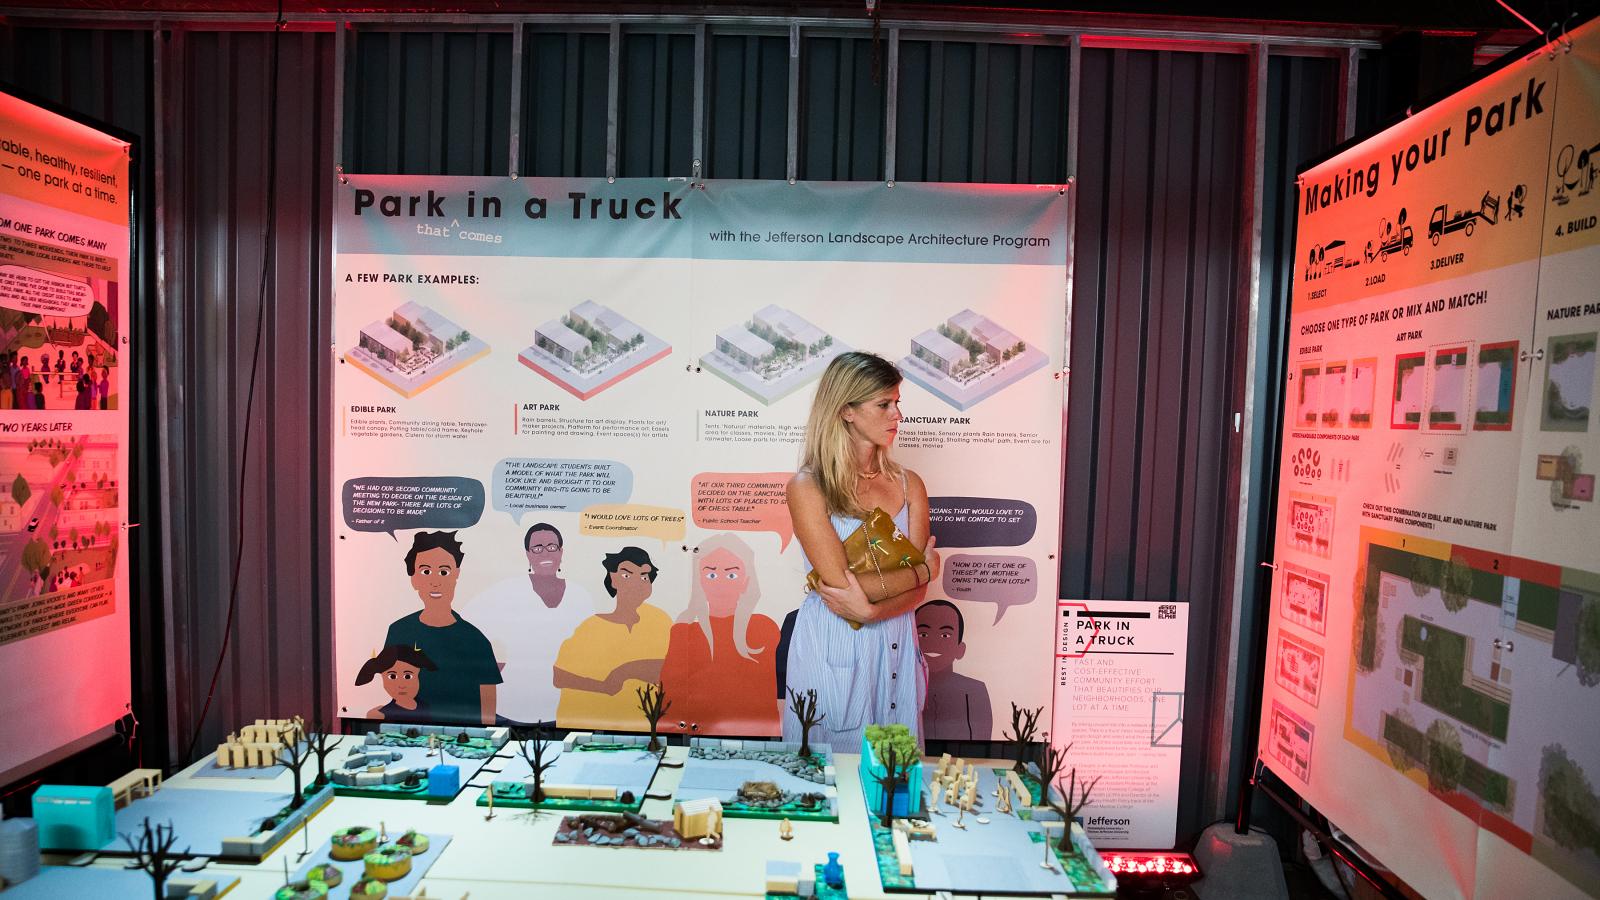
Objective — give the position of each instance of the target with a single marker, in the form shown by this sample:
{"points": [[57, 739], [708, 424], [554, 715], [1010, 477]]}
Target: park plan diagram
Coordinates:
{"points": [[1477, 675]]}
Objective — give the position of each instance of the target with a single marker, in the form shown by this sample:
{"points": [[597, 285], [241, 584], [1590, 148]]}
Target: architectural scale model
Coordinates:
{"points": [[967, 359], [259, 744], [772, 354], [413, 349], [761, 779], [930, 849], [371, 863], [592, 772], [398, 761], [591, 348]]}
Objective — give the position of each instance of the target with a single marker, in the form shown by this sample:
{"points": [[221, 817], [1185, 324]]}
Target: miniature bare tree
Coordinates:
{"points": [[1071, 794], [654, 704], [896, 769], [152, 853], [804, 707], [293, 755], [323, 749], [1024, 731], [534, 747]]}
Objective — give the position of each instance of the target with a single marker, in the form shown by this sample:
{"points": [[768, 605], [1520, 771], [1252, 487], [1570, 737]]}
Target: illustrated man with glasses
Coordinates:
{"points": [[526, 619]]}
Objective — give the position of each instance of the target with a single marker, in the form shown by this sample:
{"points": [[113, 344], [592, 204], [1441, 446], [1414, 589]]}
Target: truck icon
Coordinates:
{"points": [[1443, 223], [1393, 237]]}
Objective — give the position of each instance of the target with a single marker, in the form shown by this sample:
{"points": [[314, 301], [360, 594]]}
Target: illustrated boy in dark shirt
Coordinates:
{"points": [[462, 689], [957, 707]]}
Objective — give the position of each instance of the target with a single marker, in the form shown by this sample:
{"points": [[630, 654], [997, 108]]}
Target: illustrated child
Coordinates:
{"points": [[399, 670], [462, 688], [957, 707], [611, 655]]}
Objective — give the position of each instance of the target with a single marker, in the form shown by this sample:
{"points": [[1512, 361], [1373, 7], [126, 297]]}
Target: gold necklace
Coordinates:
{"points": [[869, 476]]}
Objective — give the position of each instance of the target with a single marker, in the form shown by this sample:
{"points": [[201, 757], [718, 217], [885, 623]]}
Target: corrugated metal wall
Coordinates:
{"points": [[1160, 296]]}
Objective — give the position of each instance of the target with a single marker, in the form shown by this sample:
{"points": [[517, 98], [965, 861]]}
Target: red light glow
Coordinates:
{"points": [[1155, 863]]}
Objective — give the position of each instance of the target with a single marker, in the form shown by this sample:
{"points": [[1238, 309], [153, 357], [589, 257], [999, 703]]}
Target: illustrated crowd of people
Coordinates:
{"points": [[25, 380], [542, 646]]}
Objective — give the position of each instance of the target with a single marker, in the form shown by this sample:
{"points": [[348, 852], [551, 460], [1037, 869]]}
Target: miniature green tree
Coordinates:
{"points": [[1024, 729], [152, 853], [654, 704], [804, 708], [534, 745]]}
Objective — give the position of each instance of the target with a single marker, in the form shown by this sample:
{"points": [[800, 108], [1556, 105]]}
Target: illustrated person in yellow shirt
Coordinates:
{"points": [[610, 655]]}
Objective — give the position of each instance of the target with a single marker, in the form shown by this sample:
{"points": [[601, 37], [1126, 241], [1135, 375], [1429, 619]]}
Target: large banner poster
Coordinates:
{"points": [[567, 411], [64, 363], [1435, 628]]}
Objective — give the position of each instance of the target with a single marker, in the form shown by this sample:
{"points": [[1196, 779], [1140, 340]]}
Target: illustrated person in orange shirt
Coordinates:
{"points": [[721, 668]]}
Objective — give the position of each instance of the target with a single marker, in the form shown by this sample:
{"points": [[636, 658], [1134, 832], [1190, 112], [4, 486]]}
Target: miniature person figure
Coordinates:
{"points": [[957, 707], [721, 666], [462, 688], [933, 801], [399, 670], [1002, 803], [610, 656], [786, 829], [961, 814], [525, 618]]}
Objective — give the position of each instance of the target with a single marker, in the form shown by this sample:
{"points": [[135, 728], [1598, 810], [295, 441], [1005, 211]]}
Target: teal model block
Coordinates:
{"points": [[74, 816], [444, 781]]}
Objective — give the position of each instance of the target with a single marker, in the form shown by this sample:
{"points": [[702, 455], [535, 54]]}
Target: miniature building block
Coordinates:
{"points": [[567, 744], [137, 783], [783, 877], [907, 799], [444, 781], [74, 817], [902, 851], [698, 818]]}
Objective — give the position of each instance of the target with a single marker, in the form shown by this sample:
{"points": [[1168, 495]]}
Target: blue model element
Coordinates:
{"points": [[833, 872], [71, 815], [907, 794], [444, 781]]}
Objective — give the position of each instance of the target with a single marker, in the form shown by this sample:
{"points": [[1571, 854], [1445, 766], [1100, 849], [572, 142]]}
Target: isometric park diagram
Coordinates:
{"points": [[414, 348], [967, 359], [772, 354], [591, 348], [1477, 675]]}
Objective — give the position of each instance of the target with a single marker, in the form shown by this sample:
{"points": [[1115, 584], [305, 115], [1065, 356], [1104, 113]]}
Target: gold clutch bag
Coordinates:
{"points": [[878, 546]]}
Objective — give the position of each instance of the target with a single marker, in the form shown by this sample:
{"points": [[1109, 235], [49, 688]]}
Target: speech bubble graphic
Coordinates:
{"points": [[1005, 581], [981, 521], [524, 485], [633, 519], [389, 504], [744, 501], [41, 292]]}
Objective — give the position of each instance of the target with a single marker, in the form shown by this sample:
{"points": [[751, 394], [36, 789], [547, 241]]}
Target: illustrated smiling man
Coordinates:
{"points": [[957, 707], [462, 690]]}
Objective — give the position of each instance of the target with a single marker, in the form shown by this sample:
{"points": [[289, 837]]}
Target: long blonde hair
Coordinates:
{"points": [[700, 608], [850, 378]]}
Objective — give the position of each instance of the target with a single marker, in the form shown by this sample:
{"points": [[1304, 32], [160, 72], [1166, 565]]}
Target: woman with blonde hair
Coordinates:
{"points": [[873, 675], [721, 669]]}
